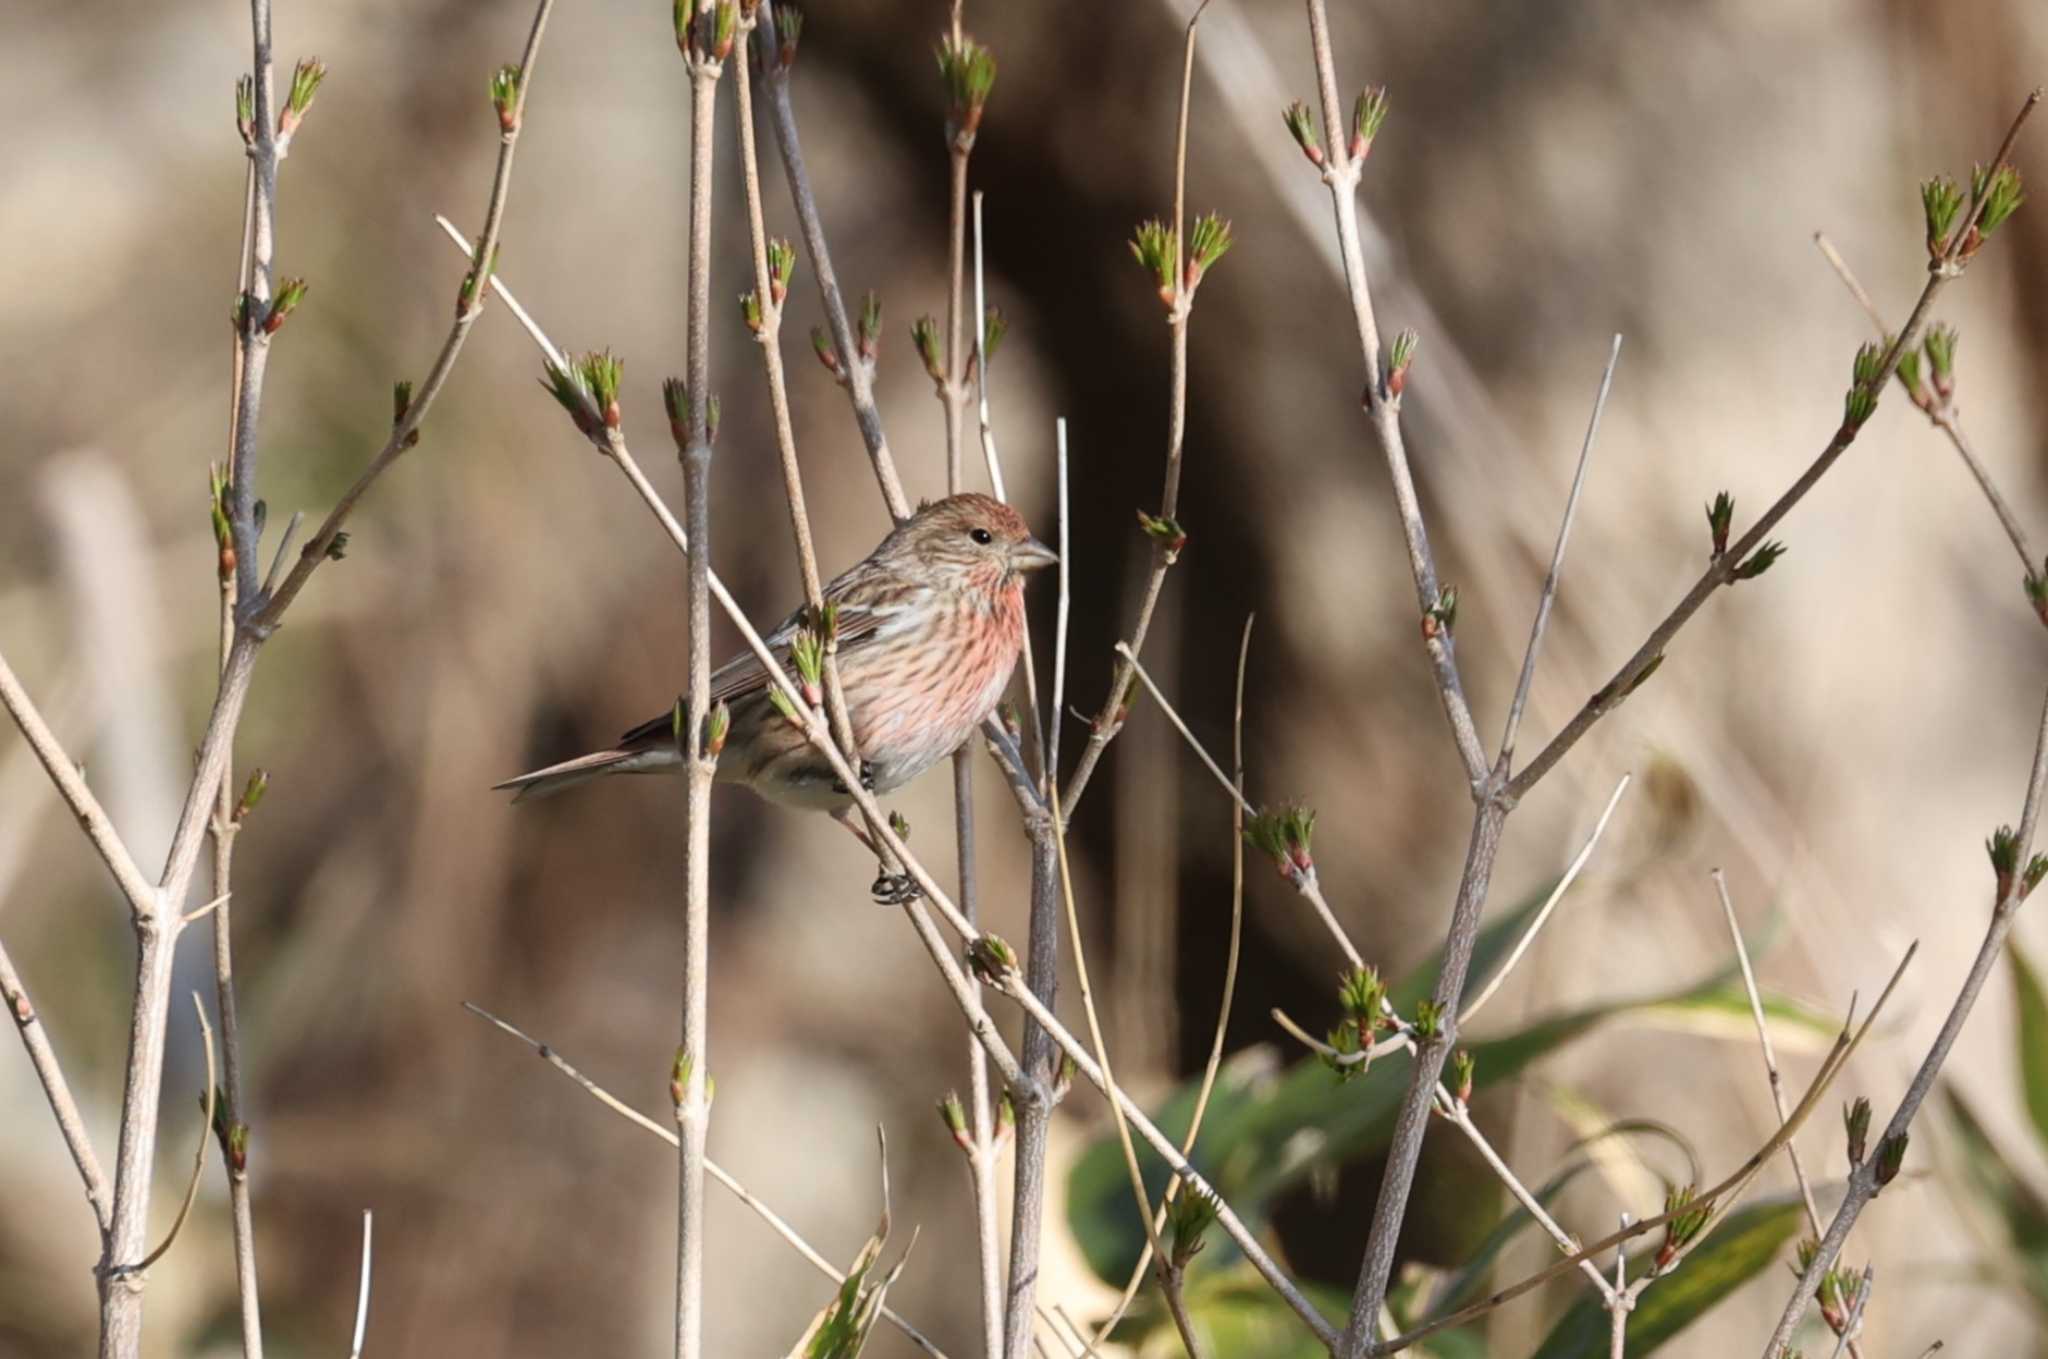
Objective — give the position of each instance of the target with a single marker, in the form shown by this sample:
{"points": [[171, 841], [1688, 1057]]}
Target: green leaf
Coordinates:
{"points": [[1737, 1251], [2033, 1024], [841, 1328]]}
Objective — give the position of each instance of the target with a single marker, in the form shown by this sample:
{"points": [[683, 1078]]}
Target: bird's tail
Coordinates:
{"points": [[650, 759]]}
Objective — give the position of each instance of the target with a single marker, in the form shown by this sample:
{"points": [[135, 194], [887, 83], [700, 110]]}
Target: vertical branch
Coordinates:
{"points": [[1178, 294], [228, 809], [1411, 1122], [1342, 167], [253, 312], [953, 393], [1036, 1057], [704, 54]]}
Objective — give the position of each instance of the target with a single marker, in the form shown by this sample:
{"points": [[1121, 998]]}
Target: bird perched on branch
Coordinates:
{"points": [[928, 629]]}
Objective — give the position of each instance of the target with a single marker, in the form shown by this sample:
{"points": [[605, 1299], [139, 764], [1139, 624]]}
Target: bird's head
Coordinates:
{"points": [[970, 541]]}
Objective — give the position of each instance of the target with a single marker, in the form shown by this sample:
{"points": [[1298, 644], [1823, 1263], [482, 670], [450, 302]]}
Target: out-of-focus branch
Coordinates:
{"points": [[56, 1090], [775, 1222], [1876, 1169], [355, 1348], [777, 57]]}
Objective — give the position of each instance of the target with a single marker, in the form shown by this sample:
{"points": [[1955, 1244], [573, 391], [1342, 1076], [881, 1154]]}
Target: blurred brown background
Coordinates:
{"points": [[1841, 736]]}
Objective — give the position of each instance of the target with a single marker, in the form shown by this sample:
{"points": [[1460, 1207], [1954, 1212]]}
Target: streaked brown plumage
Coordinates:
{"points": [[930, 627]]}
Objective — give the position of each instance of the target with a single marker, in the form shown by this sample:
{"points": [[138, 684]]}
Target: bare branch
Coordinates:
{"points": [[1721, 571], [1571, 875], [199, 1152], [1549, 595], [1208, 1085], [56, 1090], [693, 1104], [64, 773], [1305, 882], [761, 1210], [1107, 722], [860, 373]]}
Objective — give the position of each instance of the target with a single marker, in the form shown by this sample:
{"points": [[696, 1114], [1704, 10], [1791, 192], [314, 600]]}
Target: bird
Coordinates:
{"points": [[929, 628]]}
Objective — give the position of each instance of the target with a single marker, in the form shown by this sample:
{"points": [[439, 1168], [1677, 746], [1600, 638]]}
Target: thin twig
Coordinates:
{"points": [[1062, 611], [1721, 571], [1941, 413], [71, 786], [1226, 1217], [1763, 1038], [56, 1090], [860, 372], [1722, 1196], [1209, 1070], [761, 1210], [1459, 1115], [355, 1348], [1305, 881], [1107, 721], [1341, 173], [1853, 1323], [1550, 579], [225, 829], [1571, 875], [1619, 1303], [1862, 1184], [199, 1152], [1123, 1131], [981, 1158]]}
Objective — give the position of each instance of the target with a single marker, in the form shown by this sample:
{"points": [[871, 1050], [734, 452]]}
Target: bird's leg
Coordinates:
{"points": [[890, 888], [867, 780]]}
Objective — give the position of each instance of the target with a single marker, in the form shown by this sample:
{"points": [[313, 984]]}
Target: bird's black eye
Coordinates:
{"points": [[981, 535]]}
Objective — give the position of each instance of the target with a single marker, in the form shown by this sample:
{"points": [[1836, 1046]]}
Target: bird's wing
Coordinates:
{"points": [[744, 675]]}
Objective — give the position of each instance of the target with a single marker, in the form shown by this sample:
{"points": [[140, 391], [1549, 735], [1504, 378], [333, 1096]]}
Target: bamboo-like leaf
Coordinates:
{"points": [[841, 1328]]}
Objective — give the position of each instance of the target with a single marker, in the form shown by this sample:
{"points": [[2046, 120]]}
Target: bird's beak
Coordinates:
{"points": [[1032, 555]]}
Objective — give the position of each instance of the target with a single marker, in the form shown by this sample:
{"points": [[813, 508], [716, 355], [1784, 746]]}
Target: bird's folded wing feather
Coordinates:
{"points": [[743, 674]]}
